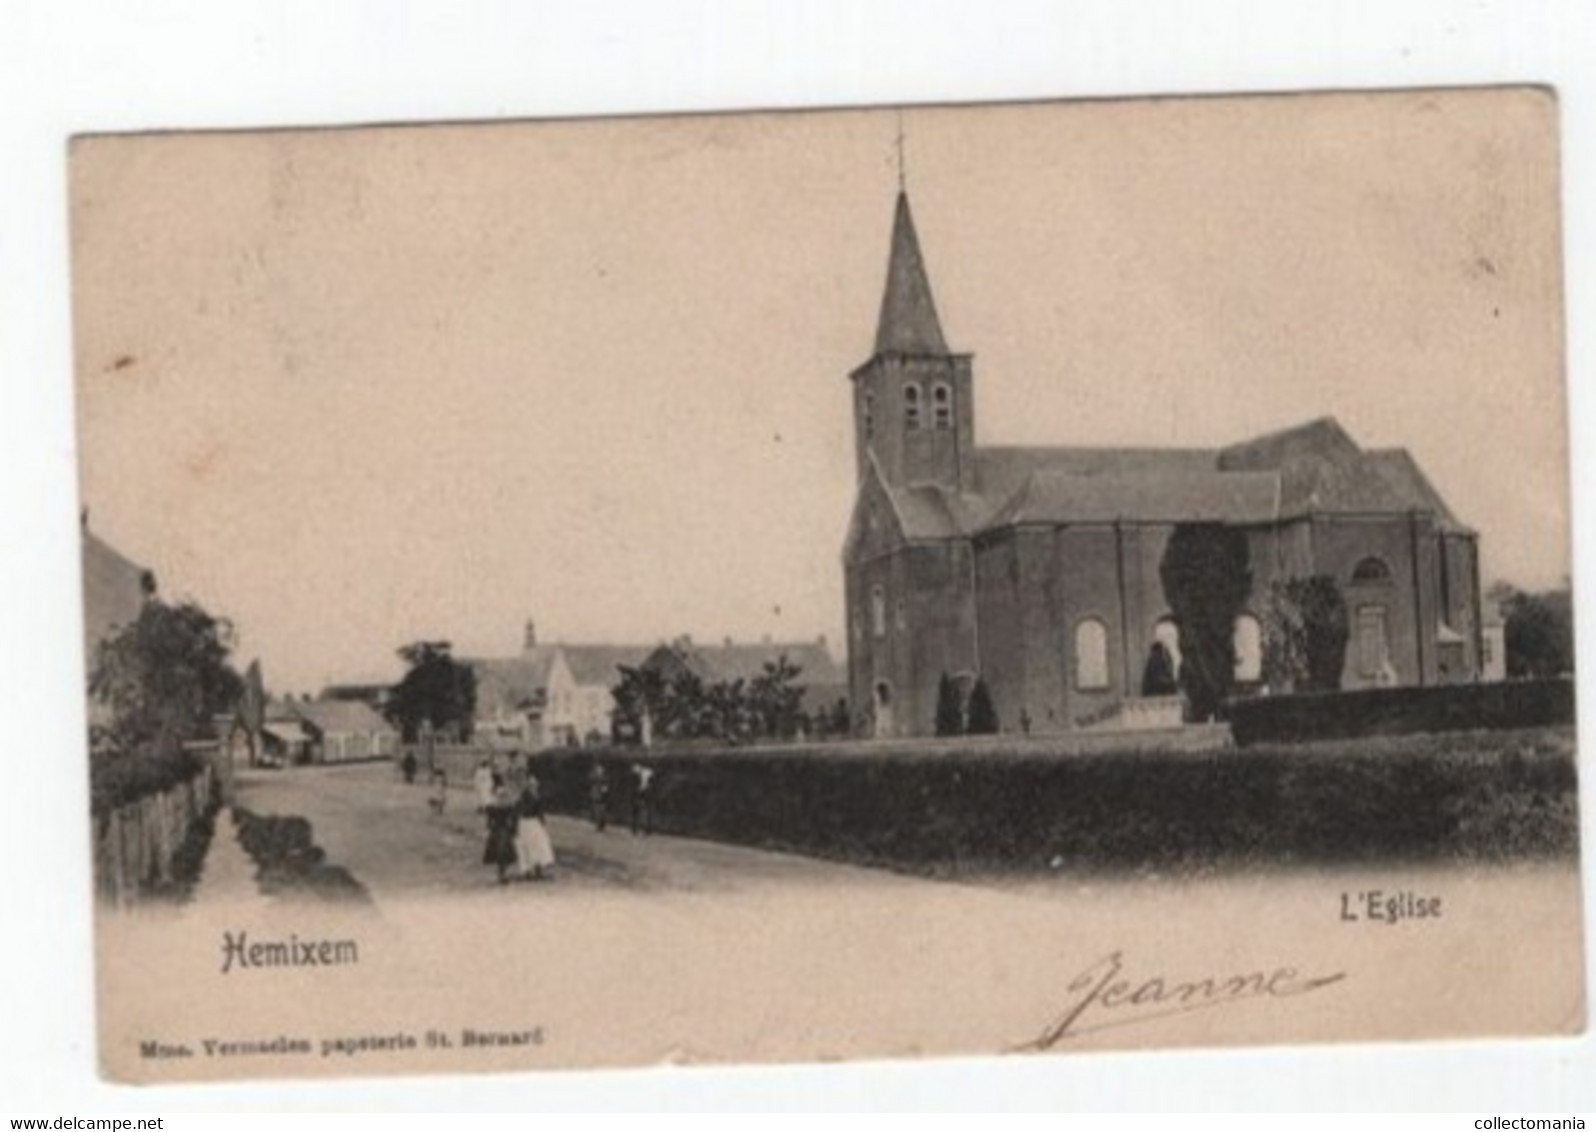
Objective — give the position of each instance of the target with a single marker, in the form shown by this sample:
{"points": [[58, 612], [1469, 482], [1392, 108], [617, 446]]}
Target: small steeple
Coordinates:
{"points": [[908, 316]]}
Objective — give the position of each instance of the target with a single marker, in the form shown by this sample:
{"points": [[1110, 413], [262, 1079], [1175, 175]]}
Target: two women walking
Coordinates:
{"points": [[518, 839]]}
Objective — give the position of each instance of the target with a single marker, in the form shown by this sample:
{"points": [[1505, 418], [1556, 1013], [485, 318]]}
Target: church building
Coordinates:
{"points": [[1037, 569]]}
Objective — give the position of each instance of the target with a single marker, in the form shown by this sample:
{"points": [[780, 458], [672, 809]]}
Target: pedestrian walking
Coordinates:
{"points": [[440, 791], [502, 821], [482, 784], [407, 765], [534, 851], [642, 799], [598, 795]]}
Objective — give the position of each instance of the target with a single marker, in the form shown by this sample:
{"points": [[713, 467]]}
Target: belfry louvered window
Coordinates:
{"points": [[911, 406], [942, 406]]}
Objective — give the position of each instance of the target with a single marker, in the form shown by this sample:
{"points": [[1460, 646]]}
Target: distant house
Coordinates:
{"points": [[562, 694], [550, 695], [1493, 639], [822, 678], [582, 706], [284, 738], [373, 693], [345, 730], [115, 589]]}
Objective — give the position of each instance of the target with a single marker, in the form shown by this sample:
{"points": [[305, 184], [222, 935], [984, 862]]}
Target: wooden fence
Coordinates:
{"points": [[135, 844]]}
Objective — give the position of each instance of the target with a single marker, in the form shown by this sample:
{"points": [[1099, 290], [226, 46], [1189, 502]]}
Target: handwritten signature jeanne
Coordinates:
{"points": [[1104, 996]]}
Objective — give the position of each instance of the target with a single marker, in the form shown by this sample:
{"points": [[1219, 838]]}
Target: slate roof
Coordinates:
{"points": [[341, 716], [908, 323], [510, 684], [513, 683], [1211, 496], [1313, 467], [930, 512], [1405, 476], [113, 591], [601, 664], [999, 472]]}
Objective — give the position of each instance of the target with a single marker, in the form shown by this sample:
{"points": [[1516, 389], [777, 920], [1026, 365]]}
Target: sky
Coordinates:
{"points": [[354, 387]]}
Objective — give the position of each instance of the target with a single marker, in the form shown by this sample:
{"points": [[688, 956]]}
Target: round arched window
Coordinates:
{"points": [[1247, 642], [1091, 655], [1371, 571]]}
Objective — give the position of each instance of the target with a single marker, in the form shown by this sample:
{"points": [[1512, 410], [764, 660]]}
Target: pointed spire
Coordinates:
{"points": [[908, 316]]}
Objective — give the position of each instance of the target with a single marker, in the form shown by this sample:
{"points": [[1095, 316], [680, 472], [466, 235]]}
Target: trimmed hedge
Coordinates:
{"points": [[1483, 795], [1401, 711], [117, 778], [290, 864]]}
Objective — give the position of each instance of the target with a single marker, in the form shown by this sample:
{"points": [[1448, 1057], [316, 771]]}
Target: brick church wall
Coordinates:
{"points": [[1407, 547]]}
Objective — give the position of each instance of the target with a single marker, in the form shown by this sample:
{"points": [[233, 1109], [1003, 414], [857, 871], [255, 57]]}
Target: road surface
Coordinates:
{"points": [[385, 834]]}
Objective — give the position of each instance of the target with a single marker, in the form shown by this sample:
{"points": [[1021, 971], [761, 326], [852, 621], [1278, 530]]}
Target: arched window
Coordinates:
{"points": [[1247, 641], [869, 415], [901, 615], [1167, 633], [911, 406], [942, 406], [1091, 655], [1371, 571], [878, 611]]}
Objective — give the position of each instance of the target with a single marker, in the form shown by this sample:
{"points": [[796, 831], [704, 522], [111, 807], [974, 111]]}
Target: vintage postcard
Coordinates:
{"points": [[974, 580]]}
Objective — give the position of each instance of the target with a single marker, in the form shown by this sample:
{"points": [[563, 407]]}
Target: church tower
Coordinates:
{"points": [[912, 402]]}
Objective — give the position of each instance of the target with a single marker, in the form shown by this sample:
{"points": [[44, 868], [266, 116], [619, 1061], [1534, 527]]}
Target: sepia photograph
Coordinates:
{"points": [[1005, 579]]}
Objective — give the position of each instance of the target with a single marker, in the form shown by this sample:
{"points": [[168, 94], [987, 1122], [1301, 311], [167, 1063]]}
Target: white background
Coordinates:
{"points": [[72, 67]]}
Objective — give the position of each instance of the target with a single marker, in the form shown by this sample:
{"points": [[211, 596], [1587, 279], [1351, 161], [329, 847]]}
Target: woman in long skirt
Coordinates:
{"points": [[503, 818], [532, 845]]}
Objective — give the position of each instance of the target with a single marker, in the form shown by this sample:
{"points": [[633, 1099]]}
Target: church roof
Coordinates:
{"points": [[1322, 469], [1317, 441], [1150, 497], [1315, 467], [999, 472], [928, 512], [908, 323], [1402, 472]]}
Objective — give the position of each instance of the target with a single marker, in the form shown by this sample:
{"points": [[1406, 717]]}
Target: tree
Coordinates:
{"points": [[1327, 627], [1306, 629], [436, 692], [950, 712], [640, 693], [1538, 631], [983, 718], [1206, 576], [775, 698], [164, 677]]}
